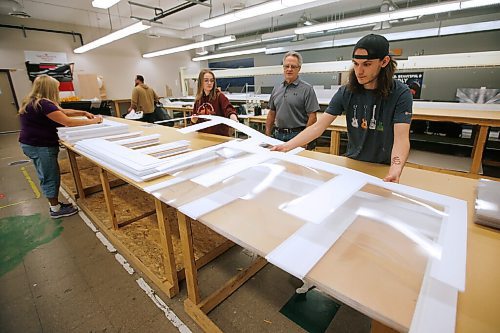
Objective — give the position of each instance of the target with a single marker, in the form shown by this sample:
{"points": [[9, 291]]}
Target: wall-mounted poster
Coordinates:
{"points": [[61, 72], [54, 64], [413, 81]]}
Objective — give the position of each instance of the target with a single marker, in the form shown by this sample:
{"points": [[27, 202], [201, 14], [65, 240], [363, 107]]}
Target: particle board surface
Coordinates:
{"points": [[141, 237]]}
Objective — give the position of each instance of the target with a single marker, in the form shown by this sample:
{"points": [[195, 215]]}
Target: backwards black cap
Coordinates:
{"points": [[376, 46]]}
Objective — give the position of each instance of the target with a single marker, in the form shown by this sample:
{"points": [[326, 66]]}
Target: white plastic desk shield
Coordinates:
{"points": [[321, 201], [444, 241]]}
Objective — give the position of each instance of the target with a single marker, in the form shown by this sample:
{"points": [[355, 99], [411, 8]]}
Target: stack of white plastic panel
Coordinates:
{"points": [[106, 128], [140, 164]]}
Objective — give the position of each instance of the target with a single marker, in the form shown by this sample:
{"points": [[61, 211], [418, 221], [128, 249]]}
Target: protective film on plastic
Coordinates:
{"points": [[357, 237], [375, 247], [255, 193]]}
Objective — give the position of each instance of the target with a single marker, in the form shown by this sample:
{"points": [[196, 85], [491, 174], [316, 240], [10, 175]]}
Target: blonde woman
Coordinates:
{"points": [[40, 115], [210, 101]]}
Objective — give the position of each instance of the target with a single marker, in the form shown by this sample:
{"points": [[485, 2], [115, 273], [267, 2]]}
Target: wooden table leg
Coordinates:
{"points": [[103, 174], [477, 150], [193, 305], [193, 294], [80, 192], [335, 142], [118, 114], [167, 247]]}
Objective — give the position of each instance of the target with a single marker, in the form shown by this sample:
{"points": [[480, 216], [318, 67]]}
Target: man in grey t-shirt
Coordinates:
{"points": [[378, 110], [293, 103]]}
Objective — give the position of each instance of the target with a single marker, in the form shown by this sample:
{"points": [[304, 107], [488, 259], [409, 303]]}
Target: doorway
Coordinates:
{"points": [[9, 120]]}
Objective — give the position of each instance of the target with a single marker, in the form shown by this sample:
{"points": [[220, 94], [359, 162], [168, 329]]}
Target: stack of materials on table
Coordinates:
{"points": [[139, 165], [106, 128]]}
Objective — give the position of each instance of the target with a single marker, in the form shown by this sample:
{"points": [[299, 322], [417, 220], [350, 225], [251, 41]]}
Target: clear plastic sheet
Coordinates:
{"points": [[378, 241]]}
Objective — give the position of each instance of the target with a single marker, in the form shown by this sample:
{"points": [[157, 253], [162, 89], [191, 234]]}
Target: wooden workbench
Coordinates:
{"points": [[152, 218], [367, 282], [483, 119], [360, 286], [186, 111]]}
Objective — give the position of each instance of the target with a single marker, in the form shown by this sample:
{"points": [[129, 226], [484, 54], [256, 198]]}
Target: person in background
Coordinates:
{"points": [[40, 115], [292, 104], [378, 110], [210, 101], [143, 99]]}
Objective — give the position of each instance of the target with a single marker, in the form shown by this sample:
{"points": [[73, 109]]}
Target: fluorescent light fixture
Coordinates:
{"points": [[414, 34], [236, 45], [442, 7], [432, 32], [478, 3], [257, 10], [104, 4], [230, 54], [278, 38], [220, 40], [471, 27], [119, 34]]}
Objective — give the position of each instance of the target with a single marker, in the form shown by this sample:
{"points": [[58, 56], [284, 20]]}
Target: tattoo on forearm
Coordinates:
{"points": [[396, 160]]}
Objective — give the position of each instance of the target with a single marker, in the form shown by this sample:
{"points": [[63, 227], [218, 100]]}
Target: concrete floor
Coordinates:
{"points": [[72, 283]]}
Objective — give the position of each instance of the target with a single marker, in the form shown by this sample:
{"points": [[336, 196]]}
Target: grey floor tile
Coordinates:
{"points": [[97, 322], [15, 285], [124, 303], [49, 263], [65, 306], [103, 271], [156, 324], [19, 315]]}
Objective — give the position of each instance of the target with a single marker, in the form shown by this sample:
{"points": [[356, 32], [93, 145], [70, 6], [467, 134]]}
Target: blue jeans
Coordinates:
{"points": [[289, 136], [47, 168]]}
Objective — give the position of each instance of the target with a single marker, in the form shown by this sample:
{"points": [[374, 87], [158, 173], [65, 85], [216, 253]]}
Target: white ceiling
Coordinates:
{"points": [[185, 23], [81, 12]]}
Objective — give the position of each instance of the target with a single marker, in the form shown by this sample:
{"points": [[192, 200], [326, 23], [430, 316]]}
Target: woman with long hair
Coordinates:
{"points": [[210, 101], [40, 115]]}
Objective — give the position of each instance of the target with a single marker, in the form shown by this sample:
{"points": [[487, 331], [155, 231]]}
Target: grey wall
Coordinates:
{"points": [[439, 84], [117, 62]]}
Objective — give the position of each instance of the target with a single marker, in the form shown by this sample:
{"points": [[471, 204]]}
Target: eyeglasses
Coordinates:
{"points": [[290, 66], [208, 80]]}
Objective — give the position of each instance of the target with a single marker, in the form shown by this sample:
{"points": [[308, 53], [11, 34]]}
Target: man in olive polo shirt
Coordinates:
{"points": [[143, 99], [293, 103]]}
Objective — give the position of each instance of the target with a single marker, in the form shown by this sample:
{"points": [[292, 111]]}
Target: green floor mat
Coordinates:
{"points": [[312, 311]]}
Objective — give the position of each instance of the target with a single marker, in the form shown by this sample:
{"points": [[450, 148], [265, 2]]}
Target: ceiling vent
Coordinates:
{"points": [[386, 6], [201, 50], [13, 8]]}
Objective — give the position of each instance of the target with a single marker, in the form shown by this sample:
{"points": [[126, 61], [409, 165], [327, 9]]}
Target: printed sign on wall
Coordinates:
{"points": [[413, 81], [39, 57]]}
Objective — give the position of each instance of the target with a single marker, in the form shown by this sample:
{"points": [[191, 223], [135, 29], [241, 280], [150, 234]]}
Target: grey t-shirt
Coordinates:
{"points": [[293, 103], [370, 120]]}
